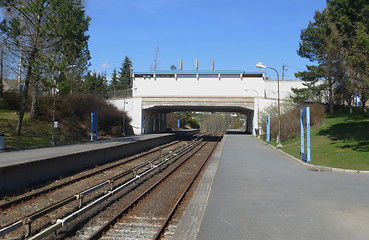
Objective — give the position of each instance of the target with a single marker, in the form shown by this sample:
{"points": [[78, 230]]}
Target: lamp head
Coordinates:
{"points": [[260, 65]]}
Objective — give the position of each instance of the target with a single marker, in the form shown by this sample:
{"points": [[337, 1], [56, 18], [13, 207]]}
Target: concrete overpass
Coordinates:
{"points": [[154, 94], [158, 107]]}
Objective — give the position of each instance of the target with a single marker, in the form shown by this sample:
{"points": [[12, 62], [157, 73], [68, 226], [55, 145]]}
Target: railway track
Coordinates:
{"points": [[36, 219], [48, 189], [148, 216]]}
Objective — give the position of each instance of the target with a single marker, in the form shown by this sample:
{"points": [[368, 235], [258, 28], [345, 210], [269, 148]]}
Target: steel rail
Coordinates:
{"points": [[14, 202], [29, 218], [62, 222], [170, 215], [98, 234]]}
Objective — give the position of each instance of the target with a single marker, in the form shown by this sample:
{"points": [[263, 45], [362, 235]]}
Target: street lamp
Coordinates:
{"points": [[124, 117], [55, 91], [279, 144]]}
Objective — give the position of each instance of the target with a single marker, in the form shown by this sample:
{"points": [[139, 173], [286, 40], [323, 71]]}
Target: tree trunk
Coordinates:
{"points": [[363, 102], [349, 102], [20, 65], [1, 70], [34, 99], [330, 96], [25, 92]]}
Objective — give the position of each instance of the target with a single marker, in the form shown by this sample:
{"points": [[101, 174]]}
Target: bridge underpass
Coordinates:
{"points": [[154, 94], [154, 110]]}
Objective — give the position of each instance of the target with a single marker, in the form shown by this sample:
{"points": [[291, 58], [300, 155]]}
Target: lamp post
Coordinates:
{"points": [[53, 127], [54, 92], [124, 117], [279, 144]]}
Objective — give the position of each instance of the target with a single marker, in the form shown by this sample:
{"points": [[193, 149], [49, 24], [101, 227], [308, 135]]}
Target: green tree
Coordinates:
{"points": [[194, 124], [95, 83], [173, 67], [114, 80], [124, 79], [70, 53], [50, 34], [352, 21], [319, 44], [312, 92], [183, 118], [186, 118]]}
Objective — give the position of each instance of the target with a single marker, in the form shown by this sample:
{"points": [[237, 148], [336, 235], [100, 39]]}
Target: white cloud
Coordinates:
{"points": [[105, 65]]}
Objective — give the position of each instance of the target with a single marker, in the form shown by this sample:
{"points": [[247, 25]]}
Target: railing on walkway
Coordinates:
{"points": [[125, 93]]}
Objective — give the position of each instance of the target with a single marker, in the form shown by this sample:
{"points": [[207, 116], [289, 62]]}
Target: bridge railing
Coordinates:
{"points": [[125, 93]]}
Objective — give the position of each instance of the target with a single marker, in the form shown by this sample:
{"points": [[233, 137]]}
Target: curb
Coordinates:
{"points": [[312, 167]]}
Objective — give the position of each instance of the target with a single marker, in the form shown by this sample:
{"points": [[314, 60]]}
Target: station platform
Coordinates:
{"points": [[20, 168], [13, 158], [252, 191]]}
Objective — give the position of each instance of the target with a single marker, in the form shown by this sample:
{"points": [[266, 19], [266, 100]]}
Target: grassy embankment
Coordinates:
{"points": [[73, 114], [34, 132], [341, 141]]}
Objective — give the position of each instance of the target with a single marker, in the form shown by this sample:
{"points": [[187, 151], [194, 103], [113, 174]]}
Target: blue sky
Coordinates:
{"points": [[236, 34]]}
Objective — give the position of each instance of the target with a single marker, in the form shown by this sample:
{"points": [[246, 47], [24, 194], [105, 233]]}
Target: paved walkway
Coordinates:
{"points": [[259, 193]]}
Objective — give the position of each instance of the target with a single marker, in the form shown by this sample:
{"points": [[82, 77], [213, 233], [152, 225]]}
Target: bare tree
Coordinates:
{"points": [[156, 62]]}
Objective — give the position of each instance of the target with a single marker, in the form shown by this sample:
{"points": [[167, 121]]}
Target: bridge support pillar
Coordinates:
{"points": [[163, 122], [250, 124], [153, 122]]}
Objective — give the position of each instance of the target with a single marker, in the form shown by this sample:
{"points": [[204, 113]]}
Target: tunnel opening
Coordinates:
{"points": [[206, 118]]}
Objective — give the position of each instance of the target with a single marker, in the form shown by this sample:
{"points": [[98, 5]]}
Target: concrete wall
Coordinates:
{"points": [[285, 88], [134, 111], [212, 84], [202, 87]]}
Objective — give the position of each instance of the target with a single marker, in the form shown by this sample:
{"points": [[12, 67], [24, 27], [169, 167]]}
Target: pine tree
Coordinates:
{"points": [[319, 44], [114, 80], [124, 79], [95, 83]]}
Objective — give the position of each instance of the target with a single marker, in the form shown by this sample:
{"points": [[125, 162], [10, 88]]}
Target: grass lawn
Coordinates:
{"points": [[34, 133], [342, 141]]}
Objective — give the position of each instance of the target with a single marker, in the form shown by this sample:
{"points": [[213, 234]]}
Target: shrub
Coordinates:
{"points": [[12, 100], [74, 115], [214, 123], [193, 123], [290, 121]]}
